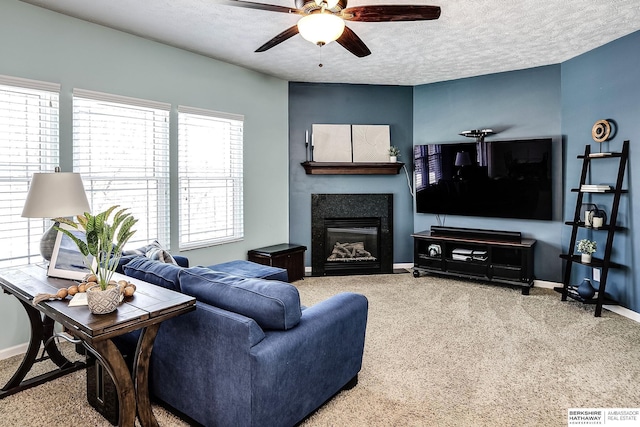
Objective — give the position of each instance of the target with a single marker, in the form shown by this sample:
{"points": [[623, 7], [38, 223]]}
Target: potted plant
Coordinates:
{"points": [[586, 247], [101, 250], [394, 153]]}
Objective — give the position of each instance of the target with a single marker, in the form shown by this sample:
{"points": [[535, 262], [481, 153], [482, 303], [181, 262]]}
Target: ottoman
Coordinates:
{"points": [[252, 270]]}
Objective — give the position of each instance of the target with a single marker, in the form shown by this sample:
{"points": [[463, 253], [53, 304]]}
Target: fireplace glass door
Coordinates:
{"points": [[352, 245]]}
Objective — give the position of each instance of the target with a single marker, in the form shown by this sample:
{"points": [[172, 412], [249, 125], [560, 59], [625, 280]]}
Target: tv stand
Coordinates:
{"points": [[501, 257]]}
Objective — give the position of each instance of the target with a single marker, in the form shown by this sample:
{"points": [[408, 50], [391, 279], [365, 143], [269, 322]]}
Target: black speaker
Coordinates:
{"points": [[101, 390]]}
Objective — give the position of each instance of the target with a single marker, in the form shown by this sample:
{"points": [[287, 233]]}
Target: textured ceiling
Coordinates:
{"points": [[472, 37]]}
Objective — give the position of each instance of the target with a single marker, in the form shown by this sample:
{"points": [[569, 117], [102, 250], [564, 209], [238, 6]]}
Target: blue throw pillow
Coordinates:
{"points": [[155, 272], [272, 304]]}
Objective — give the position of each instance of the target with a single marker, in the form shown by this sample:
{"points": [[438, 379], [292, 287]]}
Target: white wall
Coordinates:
{"points": [[42, 45]]}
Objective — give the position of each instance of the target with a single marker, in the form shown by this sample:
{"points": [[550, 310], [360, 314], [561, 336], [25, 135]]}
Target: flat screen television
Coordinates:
{"points": [[503, 179]]}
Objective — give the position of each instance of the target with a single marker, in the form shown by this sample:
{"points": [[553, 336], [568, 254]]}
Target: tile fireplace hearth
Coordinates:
{"points": [[351, 234]]}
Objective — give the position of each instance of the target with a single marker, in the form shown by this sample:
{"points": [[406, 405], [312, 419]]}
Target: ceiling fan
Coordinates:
{"points": [[323, 20]]}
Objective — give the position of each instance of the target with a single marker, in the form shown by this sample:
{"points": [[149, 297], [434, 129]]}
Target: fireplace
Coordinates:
{"points": [[351, 234]]}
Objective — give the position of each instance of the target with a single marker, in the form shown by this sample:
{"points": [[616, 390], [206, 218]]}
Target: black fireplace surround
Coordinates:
{"points": [[367, 217]]}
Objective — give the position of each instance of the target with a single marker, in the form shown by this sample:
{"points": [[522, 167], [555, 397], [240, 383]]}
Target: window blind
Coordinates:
{"points": [[434, 156], [210, 177], [121, 150], [29, 144]]}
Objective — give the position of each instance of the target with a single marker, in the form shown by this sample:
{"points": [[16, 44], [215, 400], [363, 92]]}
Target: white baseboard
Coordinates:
{"points": [[13, 351], [545, 284], [622, 311]]}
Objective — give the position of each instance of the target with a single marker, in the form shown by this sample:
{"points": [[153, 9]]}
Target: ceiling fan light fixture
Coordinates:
{"points": [[321, 28]]}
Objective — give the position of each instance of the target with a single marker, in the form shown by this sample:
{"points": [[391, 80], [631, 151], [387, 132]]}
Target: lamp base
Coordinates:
{"points": [[48, 241]]}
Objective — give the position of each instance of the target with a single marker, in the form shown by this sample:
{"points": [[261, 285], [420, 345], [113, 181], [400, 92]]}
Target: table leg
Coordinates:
{"points": [[133, 393], [141, 372], [111, 358], [41, 331]]}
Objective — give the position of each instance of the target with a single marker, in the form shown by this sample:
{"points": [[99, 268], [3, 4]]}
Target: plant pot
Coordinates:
{"points": [[585, 258], [103, 302], [393, 159]]}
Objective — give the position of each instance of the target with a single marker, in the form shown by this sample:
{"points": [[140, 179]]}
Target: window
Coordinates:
{"points": [[427, 165], [29, 144], [434, 160], [121, 149], [209, 177]]}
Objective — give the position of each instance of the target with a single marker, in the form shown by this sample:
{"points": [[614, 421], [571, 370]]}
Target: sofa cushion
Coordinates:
{"points": [[159, 254], [272, 304], [142, 250], [154, 272], [251, 269]]}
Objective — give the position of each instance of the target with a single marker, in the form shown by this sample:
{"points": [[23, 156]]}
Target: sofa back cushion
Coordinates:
{"points": [[157, 273], [272, 304]]}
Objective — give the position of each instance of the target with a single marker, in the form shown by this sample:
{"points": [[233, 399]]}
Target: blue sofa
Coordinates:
{"points": [[249, 355]]}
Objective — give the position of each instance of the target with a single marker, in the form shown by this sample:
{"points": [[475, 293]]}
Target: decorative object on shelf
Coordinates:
{"points": [[595, 188], [52, 195], [597, 218], [586, 209], [306, 145], [586, 247], [585, 290], [434, 250], [603, 130], [478, 134], [104, 242], [394, 153]]}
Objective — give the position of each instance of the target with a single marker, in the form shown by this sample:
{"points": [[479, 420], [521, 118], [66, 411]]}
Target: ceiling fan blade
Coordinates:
{"points": [[350, 41], [259, 6], [285, 35], [386, 13]]}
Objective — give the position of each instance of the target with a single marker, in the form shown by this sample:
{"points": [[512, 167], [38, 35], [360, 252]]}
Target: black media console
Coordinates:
{"points": [[502, 257]]}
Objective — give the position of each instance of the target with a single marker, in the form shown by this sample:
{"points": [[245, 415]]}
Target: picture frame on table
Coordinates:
{"points": [[67, 261]]}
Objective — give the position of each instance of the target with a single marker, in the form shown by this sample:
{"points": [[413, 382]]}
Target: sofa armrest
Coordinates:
{"points": [[182, 261], [311, 362]]}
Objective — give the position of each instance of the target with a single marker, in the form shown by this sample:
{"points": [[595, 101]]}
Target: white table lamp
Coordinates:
{"points": [[52, 195]]}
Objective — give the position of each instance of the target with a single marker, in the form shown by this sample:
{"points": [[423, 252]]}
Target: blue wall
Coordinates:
{"points": [[350, 104], [604, 84], [517, 104]]}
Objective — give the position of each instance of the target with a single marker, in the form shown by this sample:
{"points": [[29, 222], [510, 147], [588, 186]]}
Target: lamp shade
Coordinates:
{"points": [[58, 194], [321, 28], [462, 158]]}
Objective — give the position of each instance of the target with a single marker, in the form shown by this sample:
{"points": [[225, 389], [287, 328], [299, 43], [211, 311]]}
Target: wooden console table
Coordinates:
{"points": [[146, 310]]}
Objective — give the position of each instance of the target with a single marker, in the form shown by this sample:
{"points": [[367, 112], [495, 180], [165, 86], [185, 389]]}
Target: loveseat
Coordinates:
{"points": [[249, 355]]}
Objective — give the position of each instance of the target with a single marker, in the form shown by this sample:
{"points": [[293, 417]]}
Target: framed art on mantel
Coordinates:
{"points": [[371, 143], [331, 143]]}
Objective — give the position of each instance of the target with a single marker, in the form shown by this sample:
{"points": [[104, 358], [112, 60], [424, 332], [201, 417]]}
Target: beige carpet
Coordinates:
{"points": [[438, 353]]}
